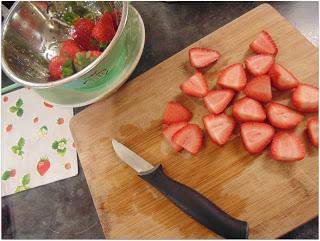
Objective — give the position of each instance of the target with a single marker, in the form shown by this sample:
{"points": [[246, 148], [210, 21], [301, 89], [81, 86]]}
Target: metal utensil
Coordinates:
{"points": [[190, 201]]}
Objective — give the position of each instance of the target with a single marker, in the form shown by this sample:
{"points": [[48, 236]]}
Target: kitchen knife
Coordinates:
{"points": [[190, 201]]}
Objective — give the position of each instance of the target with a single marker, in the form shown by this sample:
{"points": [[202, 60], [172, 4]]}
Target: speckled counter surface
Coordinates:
{"points": [[64, 209]]}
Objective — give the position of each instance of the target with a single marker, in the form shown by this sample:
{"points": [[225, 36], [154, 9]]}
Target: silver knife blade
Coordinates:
{"points": [[132, 159]]}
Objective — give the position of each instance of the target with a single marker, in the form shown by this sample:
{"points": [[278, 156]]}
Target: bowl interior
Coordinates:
{"points": [[34, 31]]}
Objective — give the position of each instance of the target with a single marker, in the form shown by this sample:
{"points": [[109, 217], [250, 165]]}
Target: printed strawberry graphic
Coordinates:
{"points": [[60, 121], [84, 58], [46, 104], [43, 166], [67, 166], [12, 172], [9, 128], [35, 120], [60, 67], [5, 98]]}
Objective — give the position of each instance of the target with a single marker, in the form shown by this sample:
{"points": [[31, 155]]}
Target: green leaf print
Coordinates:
{"points": [[26, 179], [43, 131], [19, 112], [19, 103], [13, 109], [6, 175], [21, 188], [61, 152], [55, 145], [17, 149], [21, 142]]}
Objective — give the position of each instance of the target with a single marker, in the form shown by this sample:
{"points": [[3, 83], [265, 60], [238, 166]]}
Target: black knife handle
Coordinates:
{"points": [[196, 205]]}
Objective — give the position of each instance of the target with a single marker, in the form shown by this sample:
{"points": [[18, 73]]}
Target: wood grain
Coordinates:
{"points": [[273, 197]]}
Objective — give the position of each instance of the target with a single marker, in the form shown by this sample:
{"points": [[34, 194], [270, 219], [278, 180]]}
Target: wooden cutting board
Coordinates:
{"points": [[273, 197]]}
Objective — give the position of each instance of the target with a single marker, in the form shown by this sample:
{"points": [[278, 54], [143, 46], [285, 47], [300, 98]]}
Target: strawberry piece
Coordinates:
{"points": [[219, 127], [176, 112], [305, 98], [189, 137], [259, 64], [248, 110], [256, 136], [43, 166], [82, 34], [233, 77], [313, 131], [46, 104], [84, 58], [283, 117], [259, 88], [104, 30], [69, 48], [169, 131], [217, 100], [287, 147], [282, 79], [13, 172], [264, 44], [196, 86], [60, 67], [202, 57]]}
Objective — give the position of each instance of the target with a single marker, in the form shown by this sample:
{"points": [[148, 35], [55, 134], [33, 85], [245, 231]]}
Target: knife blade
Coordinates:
{"points": [[188, 200]]}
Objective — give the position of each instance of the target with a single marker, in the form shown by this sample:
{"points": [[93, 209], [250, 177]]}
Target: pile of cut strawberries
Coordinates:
{"points": [[261, 120], [89, 39]]}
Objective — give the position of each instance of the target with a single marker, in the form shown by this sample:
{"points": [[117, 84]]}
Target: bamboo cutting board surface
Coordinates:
{"points": [[273, 197]]}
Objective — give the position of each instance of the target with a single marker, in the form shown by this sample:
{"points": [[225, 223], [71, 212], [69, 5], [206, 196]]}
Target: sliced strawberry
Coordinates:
{"points": [[305, 98], [82, 34], [219, 127], [259, 64], [84, 58], [256, 136], [170, 130], [282, 116], [233, 77], [313, 131], [69, 48], [202, 57], [282, 79], [259, 88], [196, 86], [287, 147], [189, 137], [217, 100], [264, 44], [248, 110], [103, 31], [176, 112], [60, 67]]}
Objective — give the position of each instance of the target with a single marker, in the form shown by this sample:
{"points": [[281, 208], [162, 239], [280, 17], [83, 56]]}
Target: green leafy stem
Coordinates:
{"points": [[17, 108], [17, 149]]}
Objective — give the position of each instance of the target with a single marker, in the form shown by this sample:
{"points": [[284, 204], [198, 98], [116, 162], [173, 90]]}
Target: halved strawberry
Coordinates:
{"points": [[287, 147], [84, 58], [219, 127], [202, 57], [170, 130], [259, 64], [305, 98], [176, 112], [256, 136], [313, 131], [82, 34], [69, 48], [248, 110], [60, 67], [264, 44], [103, 31], [196, 86], [233, 77], [189, 137], [217, 100], [282, 79], [259, 88], [282, 116]]}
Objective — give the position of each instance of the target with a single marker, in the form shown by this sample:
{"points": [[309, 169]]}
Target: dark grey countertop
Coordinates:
{"points": [[64, 209]]}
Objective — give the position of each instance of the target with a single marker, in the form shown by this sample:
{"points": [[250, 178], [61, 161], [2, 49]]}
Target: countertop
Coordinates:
{"points": [[64, 209]]}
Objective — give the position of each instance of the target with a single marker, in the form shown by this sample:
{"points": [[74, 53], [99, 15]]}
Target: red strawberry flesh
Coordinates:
{"points": [[217, 100], [202, 57], [170, 130], [189, 137], [195, 86], [259, 64], [282, 79], [313, 131], [233, 77], [248, 110], [176, 112], [259, 88], [305, 98], [264, 44]]}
